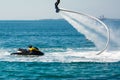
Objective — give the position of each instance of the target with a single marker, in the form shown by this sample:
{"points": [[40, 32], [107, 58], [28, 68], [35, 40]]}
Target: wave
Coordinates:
{"points": [[64, 57]]}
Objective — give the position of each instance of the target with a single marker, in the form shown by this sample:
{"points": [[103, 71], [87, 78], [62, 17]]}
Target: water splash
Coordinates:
{"points": [[94, 30], [115, 34], [63, 57], [91, 27]]}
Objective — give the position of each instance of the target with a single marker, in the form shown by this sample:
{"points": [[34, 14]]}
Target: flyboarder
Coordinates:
{"points": [[56, 6]]}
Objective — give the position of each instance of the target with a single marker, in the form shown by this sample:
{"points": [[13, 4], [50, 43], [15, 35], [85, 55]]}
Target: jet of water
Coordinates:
{"points": [[94, 29]]}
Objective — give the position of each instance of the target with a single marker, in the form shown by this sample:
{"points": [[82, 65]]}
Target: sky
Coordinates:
{"points": [[44, 9]]}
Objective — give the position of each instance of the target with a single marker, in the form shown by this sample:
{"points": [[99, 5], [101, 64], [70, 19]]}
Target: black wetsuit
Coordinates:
{"points": [[56, 6]]}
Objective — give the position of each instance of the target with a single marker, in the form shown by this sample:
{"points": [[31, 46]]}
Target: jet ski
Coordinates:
{"points": [[26, 52]]}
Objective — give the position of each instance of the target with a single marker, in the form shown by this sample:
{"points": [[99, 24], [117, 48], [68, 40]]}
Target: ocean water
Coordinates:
{"points": [[69, 55]]}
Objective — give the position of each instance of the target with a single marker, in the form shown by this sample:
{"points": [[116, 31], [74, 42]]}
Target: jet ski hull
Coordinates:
{"points": [[25, 52]]}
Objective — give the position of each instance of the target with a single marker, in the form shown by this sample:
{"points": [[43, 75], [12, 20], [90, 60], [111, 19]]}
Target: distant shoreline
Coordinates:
{"points": [[56, 19]]}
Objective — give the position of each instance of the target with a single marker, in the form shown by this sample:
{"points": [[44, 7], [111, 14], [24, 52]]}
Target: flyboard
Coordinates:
{"points": [[96, 19]]}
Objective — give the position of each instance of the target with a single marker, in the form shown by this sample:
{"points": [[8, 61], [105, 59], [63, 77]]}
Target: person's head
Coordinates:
{"points": [[30, 46]]}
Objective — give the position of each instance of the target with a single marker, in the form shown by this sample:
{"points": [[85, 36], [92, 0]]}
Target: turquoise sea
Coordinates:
{"points": [[69, 55]]}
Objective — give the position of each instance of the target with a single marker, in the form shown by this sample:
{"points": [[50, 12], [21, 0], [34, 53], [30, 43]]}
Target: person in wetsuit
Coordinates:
{"points": [[56, 6], [33, 50]]}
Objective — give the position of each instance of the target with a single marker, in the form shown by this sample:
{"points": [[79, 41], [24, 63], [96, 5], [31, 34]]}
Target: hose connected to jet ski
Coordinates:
{"points": [[94, 18]]}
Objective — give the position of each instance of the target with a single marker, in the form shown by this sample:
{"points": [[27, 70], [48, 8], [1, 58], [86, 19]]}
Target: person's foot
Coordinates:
{"points": [[57, 10]]}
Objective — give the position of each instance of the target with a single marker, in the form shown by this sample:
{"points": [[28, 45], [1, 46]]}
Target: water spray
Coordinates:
{"points": [[89, 16], [96, 19]]}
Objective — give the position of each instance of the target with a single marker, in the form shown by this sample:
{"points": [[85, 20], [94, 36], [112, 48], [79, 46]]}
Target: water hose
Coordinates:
{"points": [[94, 18]]}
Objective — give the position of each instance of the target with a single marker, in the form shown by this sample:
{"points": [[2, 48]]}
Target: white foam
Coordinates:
{"points": [[64, 57]]}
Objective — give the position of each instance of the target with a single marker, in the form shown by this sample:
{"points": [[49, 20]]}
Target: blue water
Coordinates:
{"points": [[43, 34], [68, 54]]}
